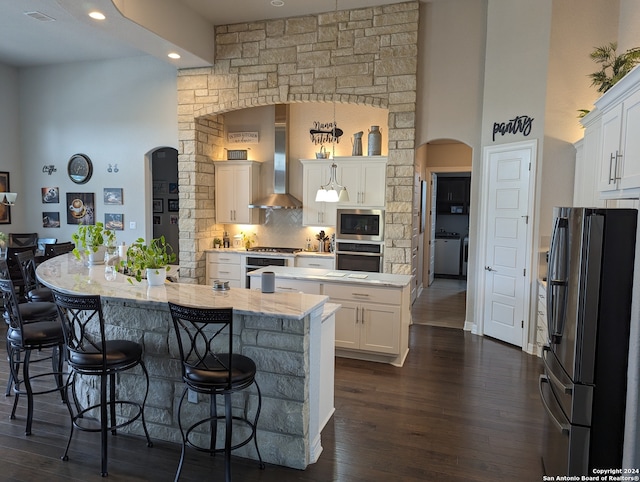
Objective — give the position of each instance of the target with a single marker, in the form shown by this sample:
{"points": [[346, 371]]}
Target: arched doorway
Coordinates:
{"points": [[165, 215], [444, 166]]}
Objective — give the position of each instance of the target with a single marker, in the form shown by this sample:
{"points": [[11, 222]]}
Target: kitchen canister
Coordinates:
{"points": [[374, 146], [268, 282]]}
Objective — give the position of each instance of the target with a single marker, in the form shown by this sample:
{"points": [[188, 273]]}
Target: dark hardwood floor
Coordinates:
{"points": [[463, 408]]}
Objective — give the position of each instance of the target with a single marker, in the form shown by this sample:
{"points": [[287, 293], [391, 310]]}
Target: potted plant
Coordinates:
{"points": [[151, 259], [217, 243], [93, 241]]}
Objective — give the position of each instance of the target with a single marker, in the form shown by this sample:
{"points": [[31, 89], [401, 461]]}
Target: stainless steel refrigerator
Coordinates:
{"points": [[583, 387]]}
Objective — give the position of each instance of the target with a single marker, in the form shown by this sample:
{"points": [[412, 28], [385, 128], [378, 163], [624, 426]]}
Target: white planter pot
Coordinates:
{"points": [[156, 277], [98, 256]]}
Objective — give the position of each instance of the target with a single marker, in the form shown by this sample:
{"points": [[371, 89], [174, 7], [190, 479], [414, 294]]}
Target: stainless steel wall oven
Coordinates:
{"points": [[353, 256]]}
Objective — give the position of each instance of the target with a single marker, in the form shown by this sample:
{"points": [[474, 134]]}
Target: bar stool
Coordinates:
{"points": [[34, 291], [209, 366], [90, 353], [22, 339], [29, 312]]}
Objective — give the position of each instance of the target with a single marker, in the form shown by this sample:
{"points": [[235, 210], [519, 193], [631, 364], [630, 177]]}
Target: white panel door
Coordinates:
{"points": [[506, 238]]}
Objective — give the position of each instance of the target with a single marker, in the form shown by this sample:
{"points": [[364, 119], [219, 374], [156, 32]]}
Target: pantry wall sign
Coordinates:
{"points": [[519, 124]]}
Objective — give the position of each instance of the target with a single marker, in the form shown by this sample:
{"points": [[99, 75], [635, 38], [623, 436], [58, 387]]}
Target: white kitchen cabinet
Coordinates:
{"points": [[365, 180], [224, 266], [587, 169], [369, 319], [619, 163], [326, 262], [314, 174], [236, 187]]}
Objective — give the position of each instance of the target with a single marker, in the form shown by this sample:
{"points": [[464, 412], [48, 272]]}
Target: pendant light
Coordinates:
{"points": [[333, 192]]}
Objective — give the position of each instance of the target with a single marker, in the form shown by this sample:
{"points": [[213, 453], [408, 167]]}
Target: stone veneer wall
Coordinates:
{"points": [[366, 56]]}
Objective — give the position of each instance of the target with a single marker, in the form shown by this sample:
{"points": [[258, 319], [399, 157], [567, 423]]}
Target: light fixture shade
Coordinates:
{"points": [[332, 196], [321, 195], [8, 198], [344, 196]]}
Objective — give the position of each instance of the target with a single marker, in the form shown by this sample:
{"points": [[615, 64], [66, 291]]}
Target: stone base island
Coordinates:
{"points": [[289, 335]]}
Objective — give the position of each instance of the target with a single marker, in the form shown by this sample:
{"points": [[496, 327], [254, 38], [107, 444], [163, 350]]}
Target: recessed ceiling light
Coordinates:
{"points": [[277, 3], [173, 55], [97, 15]]}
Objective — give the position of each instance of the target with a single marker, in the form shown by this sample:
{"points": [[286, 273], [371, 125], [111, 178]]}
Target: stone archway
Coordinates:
{"points": [[365, 56]]}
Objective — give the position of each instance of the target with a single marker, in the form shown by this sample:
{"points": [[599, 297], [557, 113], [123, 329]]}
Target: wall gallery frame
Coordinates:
{"points": [[5, 211], [173, 205], [158, 205], [80, 208]]}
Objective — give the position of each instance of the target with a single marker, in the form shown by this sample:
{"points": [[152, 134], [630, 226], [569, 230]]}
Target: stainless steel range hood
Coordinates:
{"points": [[280, 198]]}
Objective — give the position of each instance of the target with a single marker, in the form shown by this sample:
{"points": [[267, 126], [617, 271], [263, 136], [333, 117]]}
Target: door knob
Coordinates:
{"points": [[489, 268]]}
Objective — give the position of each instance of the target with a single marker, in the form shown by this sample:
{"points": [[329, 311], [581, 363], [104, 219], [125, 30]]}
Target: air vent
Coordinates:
{"points": [[40, 16]]}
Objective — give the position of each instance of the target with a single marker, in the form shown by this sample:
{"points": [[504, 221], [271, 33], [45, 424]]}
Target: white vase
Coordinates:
{"points": [[97, 257], [156, 277]]}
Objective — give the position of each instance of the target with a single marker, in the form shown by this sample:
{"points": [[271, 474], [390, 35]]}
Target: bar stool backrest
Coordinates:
{"points": [[83, 326], [27, 263], [205, 341], [10, 301]]}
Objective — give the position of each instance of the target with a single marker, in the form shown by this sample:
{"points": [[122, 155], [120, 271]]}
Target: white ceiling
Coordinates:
{"points": [[71, 36]]}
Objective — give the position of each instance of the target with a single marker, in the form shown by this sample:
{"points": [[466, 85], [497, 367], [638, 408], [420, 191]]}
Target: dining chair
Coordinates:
{"points": [[23, 239]]}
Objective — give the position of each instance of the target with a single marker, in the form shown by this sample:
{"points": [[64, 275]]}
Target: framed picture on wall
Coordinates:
{"points": [[173, 188], [5, 211], [114, 221], [80, 208], [113, 195], [50, 220], [173, 205], [173, 219], [158, 205], [50, 195], [160, 187], [157, 220]]}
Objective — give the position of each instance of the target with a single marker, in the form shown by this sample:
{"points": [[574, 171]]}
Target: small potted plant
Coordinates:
{"points": [[217, 243], [151, 259], [93, 241]]}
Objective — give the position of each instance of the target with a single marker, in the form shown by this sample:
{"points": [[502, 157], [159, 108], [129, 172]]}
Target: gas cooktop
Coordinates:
{"points": [[268, 249]]}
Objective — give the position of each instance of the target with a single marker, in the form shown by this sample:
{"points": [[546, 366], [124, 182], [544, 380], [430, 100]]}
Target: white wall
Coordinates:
{"points": [[114, 111], [9, 140]]}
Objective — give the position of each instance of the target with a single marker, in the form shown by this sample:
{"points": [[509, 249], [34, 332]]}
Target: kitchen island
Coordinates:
{"points": [[373, 321], [282, 332]]}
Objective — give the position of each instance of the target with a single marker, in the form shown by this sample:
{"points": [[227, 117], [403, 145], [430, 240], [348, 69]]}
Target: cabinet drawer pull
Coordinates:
{"points": [[366, 295]]}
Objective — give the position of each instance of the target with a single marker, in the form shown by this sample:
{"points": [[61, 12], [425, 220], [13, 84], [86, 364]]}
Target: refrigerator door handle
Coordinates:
{"points": [[557, 285], [563, 427], [550, 374]]}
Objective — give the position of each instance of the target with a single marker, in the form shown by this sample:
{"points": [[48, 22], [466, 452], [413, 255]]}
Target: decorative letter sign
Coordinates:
{"points": [[521, 123]]}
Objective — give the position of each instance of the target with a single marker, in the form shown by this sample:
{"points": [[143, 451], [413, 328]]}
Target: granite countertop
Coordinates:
{"points": [[334, 276], [300, 253], [68, 275]]}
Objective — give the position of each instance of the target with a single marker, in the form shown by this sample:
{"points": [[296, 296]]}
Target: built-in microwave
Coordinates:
{"points": [[360, 224]]}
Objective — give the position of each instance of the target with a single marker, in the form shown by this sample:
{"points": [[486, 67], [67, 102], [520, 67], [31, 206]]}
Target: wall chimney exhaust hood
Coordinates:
{"points": [[279, 198]]}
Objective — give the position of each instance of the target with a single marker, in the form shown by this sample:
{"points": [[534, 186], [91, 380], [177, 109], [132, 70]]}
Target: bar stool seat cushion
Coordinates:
{"points": [[37, 310], [120, 354], [214, 372], [40, 294], [40, 333]]}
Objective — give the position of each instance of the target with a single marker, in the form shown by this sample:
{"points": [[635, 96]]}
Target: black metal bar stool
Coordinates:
{"points": [[89, 353], [209, 366], [34, 291], [22, 339]]}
